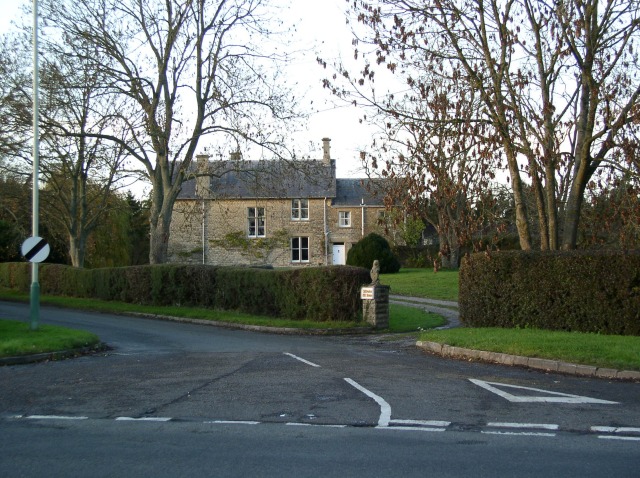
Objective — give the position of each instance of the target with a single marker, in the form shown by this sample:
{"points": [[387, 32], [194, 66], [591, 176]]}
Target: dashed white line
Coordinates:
{"points": [[143, 419], [530, 434], [233, 422], [385, 408], [417, 429], [537, 426], [616, 433], [53, 417], [616, 437], [424, 423], [295, 424], [302, 360], [602, 429]]}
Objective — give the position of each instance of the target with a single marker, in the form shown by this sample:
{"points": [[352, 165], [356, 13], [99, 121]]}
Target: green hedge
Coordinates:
{"points": [[321, 294], [582, 291]]}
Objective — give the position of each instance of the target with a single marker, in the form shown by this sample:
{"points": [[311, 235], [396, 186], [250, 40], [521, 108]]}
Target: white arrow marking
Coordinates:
{"points": [[551, 397]]}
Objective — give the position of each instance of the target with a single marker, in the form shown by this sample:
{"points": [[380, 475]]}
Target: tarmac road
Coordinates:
{"points": [[167, 392]]}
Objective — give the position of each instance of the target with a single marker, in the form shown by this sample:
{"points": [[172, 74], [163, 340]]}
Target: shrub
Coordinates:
{"points": [[370, 248], [585, 291]]}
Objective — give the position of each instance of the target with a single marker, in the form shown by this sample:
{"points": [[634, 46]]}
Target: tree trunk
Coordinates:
{"points": [[160, 224], [77, 250], [572, 213], [540, 206], [522, 223]]}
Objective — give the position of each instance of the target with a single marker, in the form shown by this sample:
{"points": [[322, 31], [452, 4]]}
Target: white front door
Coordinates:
{"points": [[339, 257]]}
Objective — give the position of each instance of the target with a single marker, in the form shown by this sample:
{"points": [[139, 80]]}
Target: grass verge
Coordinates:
{"points": [[401, 318], [17, 338], [410, 319], [610, 351], [442, 285]]}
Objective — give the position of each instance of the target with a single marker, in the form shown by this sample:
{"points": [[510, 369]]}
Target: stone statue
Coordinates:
{"points": [[375, 273]]}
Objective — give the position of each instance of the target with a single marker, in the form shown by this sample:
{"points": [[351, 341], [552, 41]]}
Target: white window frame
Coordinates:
{"points": [[256, 222], [300, 249], [344, 218], [300, 209]]}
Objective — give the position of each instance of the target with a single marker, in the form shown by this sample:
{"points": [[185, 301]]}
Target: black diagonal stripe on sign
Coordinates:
{"points": [[35, 249]]}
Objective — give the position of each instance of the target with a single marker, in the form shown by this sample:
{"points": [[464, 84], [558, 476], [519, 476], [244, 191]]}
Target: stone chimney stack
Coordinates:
{"points": [[202, 162], [326, 151], [202, 178]]}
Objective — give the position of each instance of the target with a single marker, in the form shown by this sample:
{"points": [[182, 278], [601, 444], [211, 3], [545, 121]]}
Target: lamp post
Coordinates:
{"points": [[35, 286]]}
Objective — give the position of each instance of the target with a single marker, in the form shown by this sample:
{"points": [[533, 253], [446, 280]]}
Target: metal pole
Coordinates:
{"points": [[35, 286]]}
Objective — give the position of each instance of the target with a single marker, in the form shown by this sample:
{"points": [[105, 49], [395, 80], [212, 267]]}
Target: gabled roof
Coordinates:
{"points": [[281, 179], [266, 180], [353, 192]]}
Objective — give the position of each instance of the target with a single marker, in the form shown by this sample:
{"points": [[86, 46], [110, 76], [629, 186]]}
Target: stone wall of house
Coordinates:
{"points": [[353, 233], [226, 230], [185, 239]]}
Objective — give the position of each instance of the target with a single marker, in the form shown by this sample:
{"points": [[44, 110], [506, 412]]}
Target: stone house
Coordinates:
{"points": [[276, 213]]}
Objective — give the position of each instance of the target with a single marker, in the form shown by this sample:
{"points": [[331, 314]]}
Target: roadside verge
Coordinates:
{"points": [[546, 365]]}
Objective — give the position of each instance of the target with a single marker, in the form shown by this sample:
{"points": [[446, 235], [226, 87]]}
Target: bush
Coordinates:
{"points": [[318, 293], [370, 248], [582, 291]]}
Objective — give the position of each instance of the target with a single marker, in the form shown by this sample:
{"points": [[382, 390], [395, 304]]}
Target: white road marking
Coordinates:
{"points": [[302, 360], [424, 423], [529, 434], [385, 408], [551, 397], [233, 422], [53, 417], [601, 429], [417, 429], [294, 424], [615, 437], [537, 426], [143, 419]]}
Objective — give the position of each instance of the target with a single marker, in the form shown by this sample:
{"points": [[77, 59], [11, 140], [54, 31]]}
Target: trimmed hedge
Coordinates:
{"points": [[585, 291], [321, 294]]}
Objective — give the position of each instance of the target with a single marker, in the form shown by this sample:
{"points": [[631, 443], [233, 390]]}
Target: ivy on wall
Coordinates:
{"points": [[255, 249]]}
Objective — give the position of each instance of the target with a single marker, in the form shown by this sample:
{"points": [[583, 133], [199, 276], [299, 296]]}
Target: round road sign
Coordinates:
{"points": [[35, 249]]}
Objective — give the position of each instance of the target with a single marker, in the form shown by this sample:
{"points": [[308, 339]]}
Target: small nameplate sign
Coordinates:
{"points": [[367, 293]]}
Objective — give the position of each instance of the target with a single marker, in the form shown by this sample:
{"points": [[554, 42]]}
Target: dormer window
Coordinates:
{"points": [[299, 209]]}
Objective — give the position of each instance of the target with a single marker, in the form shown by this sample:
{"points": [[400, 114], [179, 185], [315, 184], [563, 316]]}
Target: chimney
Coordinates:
{"points": [[326, 151], [202, 178], [235, 155], [202, 161]]}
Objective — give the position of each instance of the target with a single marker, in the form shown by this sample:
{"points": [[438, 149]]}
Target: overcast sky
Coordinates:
{"points": [[320, 28]]}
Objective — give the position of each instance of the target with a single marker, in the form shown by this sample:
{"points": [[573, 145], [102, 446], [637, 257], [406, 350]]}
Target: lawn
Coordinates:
{"points": [[441, 285], [411, 319], [612, 351], [17, 338]]}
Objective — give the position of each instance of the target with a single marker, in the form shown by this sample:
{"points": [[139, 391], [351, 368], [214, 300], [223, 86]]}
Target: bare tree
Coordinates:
{"points": [[557, 84], [440, 170], [189, 68], [82, 171]]}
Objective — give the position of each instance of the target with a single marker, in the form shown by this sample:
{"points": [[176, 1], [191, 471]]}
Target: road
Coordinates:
{"points": [[175, 399]]}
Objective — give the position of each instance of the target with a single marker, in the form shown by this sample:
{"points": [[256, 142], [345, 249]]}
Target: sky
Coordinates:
{"points": [[320, 28]]}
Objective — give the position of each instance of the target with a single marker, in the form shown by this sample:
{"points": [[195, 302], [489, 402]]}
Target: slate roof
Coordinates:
{"points": [[353, 192], [282, 179], [267, 180]]}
